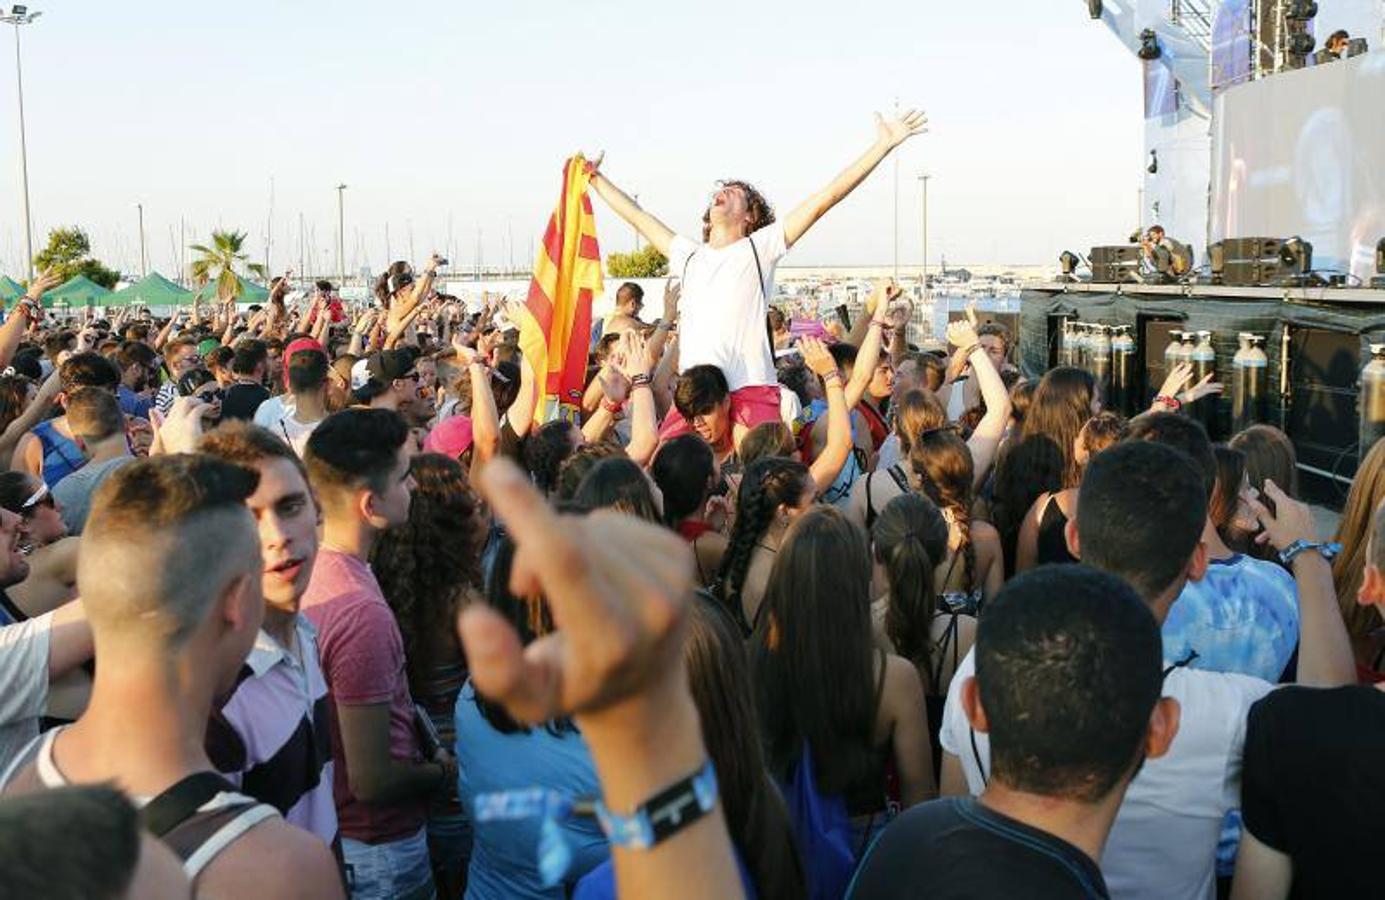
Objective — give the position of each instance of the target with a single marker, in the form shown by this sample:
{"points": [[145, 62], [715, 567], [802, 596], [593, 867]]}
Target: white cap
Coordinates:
{"points": [[360, 374]]}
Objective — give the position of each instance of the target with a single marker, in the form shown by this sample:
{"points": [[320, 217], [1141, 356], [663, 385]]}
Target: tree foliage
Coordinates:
{"points": [[69, 252], [220, 262], [646, 262]]}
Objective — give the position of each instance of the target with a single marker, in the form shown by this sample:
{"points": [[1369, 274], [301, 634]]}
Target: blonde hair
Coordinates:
{"points": [[1353, 533]]}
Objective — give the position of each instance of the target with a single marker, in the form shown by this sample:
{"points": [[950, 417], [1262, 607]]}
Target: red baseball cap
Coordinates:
{"points": [[304, 343]]}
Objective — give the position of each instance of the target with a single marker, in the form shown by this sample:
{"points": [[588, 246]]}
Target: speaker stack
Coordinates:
{"points": [[1116, 264]]}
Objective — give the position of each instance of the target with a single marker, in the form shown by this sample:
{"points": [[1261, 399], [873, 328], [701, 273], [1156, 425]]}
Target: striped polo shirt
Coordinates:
{"points": [[273, 737]]}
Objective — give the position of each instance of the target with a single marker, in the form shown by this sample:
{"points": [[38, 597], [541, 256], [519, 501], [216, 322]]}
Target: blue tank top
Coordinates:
{"points": [[61, 455]]}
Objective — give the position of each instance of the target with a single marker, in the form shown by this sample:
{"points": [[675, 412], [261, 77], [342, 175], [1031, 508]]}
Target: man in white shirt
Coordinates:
{"points": [[32, 651], [1141, 517], [728, 277]]}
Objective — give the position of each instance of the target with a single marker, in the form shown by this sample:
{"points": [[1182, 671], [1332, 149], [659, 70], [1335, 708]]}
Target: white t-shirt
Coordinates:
{"points": [[724, 304], [23, 683], [281, 422], [1163, 845], [269, 412]]}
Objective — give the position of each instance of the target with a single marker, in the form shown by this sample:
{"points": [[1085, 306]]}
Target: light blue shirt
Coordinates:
{"points": [[1242, 616], [504, 855]]}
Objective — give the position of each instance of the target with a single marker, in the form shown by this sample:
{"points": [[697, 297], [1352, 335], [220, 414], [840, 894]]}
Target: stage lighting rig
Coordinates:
{"points": [[1301, 10], [1069, 262], [1149, 45]]}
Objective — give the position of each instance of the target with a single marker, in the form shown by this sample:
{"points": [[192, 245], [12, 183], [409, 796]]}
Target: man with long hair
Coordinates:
{"points": [[728, 276]]}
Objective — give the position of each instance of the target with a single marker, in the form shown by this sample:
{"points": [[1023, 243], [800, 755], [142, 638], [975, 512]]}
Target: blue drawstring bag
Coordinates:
{"points": [[823, 830]]}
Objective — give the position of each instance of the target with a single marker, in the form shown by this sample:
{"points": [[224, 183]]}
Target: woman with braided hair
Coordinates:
{"points": [[774, 491], [973, 569]]}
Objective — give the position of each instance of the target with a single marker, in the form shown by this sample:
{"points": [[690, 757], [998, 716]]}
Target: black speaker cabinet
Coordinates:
{"points": [[1321, 418]]}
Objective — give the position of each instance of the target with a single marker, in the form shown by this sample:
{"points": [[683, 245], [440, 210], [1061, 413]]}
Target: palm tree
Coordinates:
{"points": [[220, 261]]}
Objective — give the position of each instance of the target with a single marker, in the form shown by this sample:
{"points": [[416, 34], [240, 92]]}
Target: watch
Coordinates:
{"points": [[663, 815], [1326, 550]]}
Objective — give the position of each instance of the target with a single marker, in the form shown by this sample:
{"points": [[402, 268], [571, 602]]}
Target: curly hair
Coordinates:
{"points": [[427, 566], [766, 485], [761, 213], [546, 450]]}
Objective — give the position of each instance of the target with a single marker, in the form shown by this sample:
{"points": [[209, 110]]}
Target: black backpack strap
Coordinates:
{"points": [[759, 269], [176, 805]]}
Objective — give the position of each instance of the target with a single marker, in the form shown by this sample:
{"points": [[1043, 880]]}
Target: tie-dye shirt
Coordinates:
{"points": [[1242, 616]]}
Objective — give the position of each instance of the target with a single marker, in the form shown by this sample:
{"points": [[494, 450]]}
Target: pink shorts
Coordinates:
{"points": [[750, 406]]}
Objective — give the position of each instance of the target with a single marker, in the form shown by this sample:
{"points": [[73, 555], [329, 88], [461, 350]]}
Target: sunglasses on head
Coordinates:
{"points": [[40, 497]]}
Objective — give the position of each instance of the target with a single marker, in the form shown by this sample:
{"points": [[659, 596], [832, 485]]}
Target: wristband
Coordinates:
{"points": [[640, 380], [611, 406], [1173, 404], [1325, 550], [833, 377], [665, 814]]}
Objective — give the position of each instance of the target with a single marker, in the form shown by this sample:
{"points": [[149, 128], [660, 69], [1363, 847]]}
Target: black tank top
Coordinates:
{"points": [[1053, 541]]}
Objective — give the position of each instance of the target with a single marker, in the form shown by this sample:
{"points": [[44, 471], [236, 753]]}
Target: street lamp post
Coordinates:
{"points": [[923, 180], [20, 15], [143, 264], [341, 232]]}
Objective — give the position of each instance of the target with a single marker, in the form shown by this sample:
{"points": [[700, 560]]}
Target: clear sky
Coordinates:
{"points": [[456, 117]]}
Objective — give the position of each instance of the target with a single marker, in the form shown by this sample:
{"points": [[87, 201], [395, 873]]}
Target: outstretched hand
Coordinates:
{"points": [[893, 132], [618, 590]]}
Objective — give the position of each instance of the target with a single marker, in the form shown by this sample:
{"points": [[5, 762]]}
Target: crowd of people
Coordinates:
{"points": [[314, 601]]}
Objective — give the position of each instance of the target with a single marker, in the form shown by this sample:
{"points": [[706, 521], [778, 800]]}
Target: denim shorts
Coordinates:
{"points": [[398, 870]]}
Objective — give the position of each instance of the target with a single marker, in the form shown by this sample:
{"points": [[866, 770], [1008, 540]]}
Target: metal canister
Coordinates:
{"points": [[1249, 382], [1204, 360], [1173, 353], [1373, 399], [1079, 345], [1065, 343], [1122, 371], [1100, 349]]}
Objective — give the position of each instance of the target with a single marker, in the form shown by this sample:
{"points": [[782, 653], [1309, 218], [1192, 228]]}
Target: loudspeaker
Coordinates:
{"points": [[1151, 339], [1321, 418], [1116, 263], [1253, 261]]}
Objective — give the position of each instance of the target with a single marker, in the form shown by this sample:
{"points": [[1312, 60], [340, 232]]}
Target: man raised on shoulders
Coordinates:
{"points": [[728, 276]]}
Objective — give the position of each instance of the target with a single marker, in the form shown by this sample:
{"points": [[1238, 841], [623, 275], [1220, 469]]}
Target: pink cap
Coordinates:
{"points": [[294, 346], [451, 437]]}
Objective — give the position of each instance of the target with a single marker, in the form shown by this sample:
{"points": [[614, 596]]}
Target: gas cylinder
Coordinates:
{"points": [[1204, 360], [1123, 371], [1373, 399], [1100, 353], [1249, 382]]}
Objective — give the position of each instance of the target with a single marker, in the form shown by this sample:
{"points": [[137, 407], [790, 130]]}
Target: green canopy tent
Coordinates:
{"points": [[10, 289], [76, 293], [249, 292], [151, 290]]}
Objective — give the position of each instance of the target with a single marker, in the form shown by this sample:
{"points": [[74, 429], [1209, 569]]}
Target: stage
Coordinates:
{"points": [[1324, 334]]}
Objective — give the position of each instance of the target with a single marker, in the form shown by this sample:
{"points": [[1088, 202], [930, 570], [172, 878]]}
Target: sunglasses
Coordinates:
{"points": [[40, 497]]}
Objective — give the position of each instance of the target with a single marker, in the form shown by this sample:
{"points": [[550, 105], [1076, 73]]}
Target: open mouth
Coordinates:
{"points": [[287, 569]]}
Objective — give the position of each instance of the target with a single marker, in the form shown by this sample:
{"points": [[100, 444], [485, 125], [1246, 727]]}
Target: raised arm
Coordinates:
{"points": [[633, 361], [868, 352], [985, 439], [657, 233], [602, 575], [889, 134], [1325, 657], [829, 462], [28, 310]]}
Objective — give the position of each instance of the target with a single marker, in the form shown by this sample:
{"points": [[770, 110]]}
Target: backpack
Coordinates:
{"points": [[823, 832]]}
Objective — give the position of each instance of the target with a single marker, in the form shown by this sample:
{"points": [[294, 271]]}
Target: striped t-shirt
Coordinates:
{"points": [[273, 737]]}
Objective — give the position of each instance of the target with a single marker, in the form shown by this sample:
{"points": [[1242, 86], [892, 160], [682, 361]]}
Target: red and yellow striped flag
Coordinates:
{"points": [[555, 330]]}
